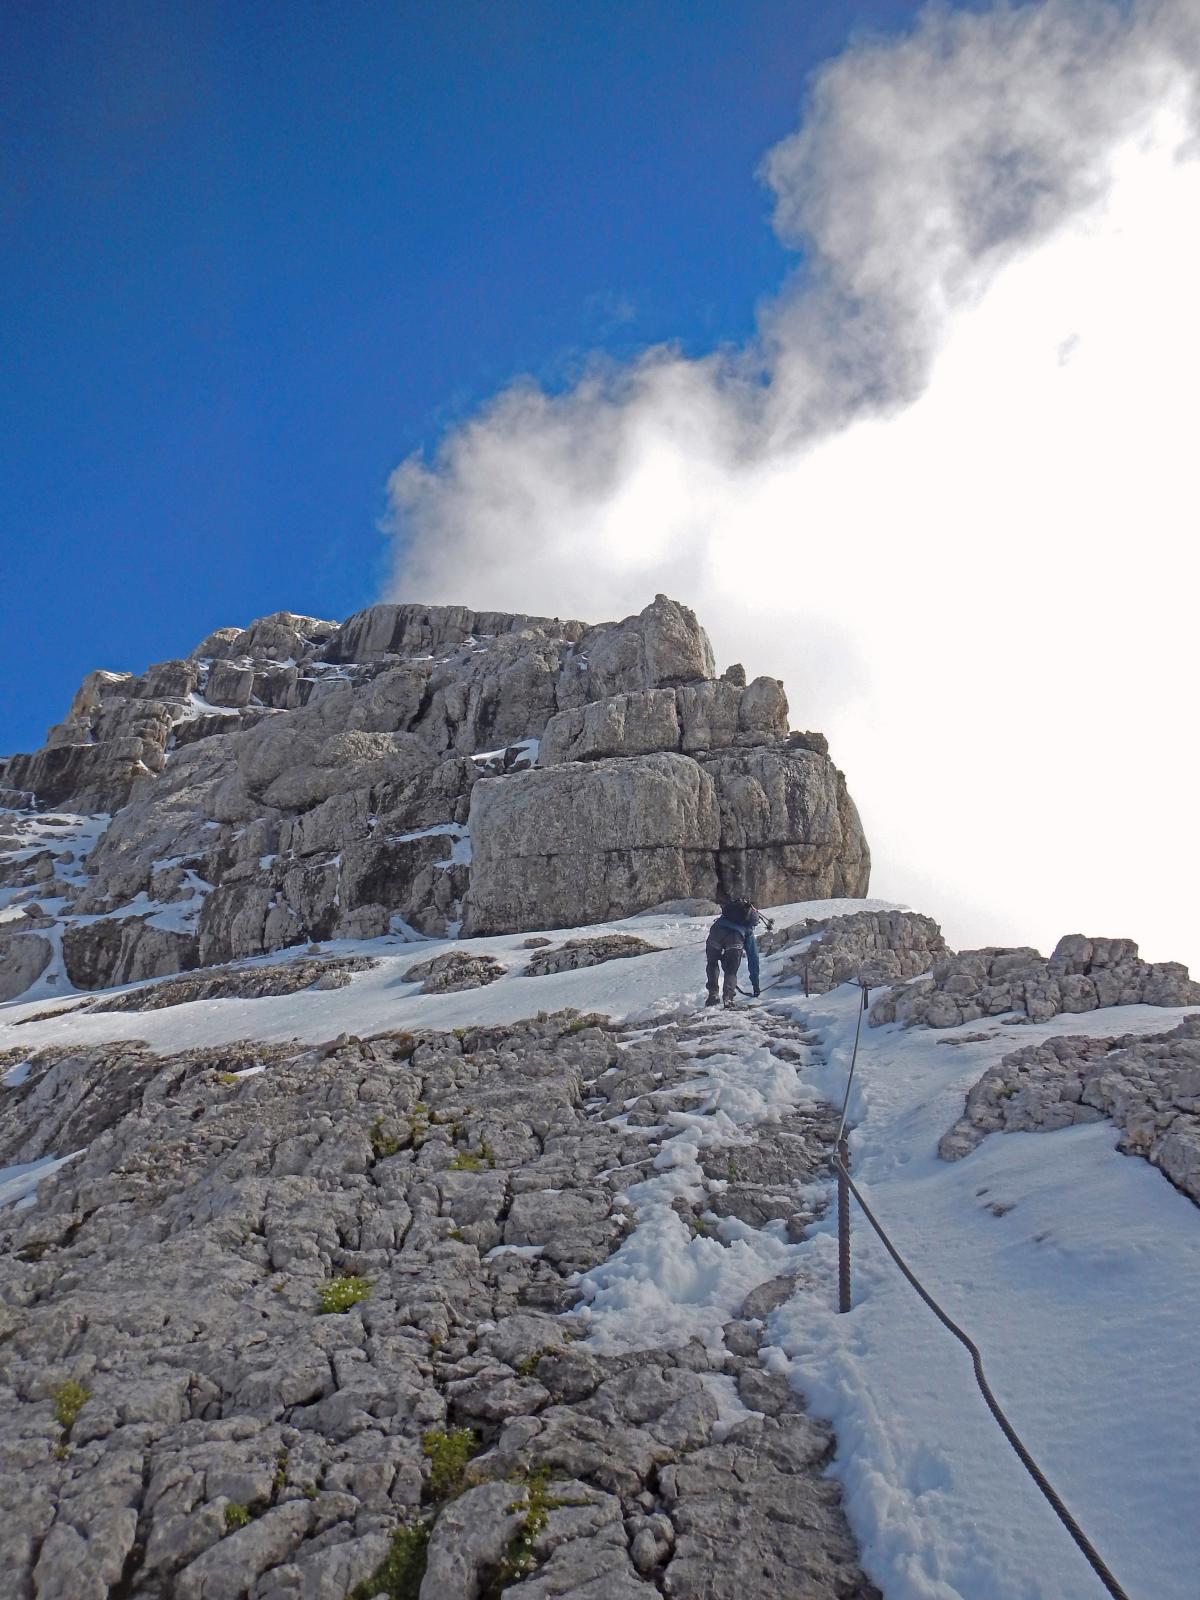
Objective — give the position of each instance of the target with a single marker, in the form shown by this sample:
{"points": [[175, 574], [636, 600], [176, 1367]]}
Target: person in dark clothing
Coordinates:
{"points": [[731, 935]]}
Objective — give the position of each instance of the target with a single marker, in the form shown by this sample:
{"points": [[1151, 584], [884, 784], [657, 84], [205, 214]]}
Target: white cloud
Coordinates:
{"points": [[948, 493]]}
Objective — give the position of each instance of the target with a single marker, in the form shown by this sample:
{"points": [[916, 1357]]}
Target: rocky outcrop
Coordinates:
{"points": [[1148, 1085], [23, 959], [871, 947], [297, 1313], [456, 969], [591, 952], [422, 767], [239, 983], [591, 841], [1082, 975]]}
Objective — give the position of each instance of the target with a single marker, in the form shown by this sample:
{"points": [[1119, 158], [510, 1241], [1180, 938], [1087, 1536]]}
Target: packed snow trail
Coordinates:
{"points": [[1077, 1272]]}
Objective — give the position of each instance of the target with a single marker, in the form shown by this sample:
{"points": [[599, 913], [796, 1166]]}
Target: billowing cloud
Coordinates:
{"points": [[947, 491]]}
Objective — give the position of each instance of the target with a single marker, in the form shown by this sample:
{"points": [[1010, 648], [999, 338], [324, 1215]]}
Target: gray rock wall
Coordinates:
{"points": [[300, 779], [1082, 975], [1149, 1086]]}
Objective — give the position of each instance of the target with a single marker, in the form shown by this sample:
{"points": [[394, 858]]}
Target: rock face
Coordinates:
{"points": [[1082, 975], [455, 770], [871, 947], [270, 1331], [1149, 1086]]}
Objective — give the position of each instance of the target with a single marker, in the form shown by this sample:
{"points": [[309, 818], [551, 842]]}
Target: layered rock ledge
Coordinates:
{"points": [[430, 769], [1149, 1085]]}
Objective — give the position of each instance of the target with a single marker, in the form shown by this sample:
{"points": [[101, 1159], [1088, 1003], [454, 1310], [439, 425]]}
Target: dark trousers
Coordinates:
{"points": [[724, 950]]}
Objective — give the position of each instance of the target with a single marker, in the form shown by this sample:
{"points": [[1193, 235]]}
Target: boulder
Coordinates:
{"points": [[623, 725], [591, 952], [23, 959], [588, 842]]}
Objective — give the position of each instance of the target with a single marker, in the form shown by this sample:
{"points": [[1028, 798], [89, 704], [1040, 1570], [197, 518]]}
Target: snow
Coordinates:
{"points": [[1084, 1298], [1082, 1287], [18, 1185], [525, 747], [15, 1076]]}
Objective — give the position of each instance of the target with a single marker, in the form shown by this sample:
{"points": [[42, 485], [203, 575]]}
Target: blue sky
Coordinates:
{"points": [[253, 256]]}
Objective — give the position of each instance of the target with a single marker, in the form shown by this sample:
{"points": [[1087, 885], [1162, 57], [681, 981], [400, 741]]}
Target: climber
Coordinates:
{"points": [[730, 934]]}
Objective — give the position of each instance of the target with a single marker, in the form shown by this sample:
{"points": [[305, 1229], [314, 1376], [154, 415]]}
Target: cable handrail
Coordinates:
{"points": [[847, 1187]]}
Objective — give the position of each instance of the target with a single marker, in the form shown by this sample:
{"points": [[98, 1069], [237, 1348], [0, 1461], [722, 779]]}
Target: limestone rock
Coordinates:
{"points": [[588, 953], [23, 959], [457, 969], [872, 947], [1148, 1084], [430, 766], [1082, 975]]}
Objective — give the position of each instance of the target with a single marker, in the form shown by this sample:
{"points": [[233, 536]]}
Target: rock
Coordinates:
{"points": [[623, 725], [750, 1518], [23, 959], [458, 770], [125, 950], [588, 953], [1082, 975], [870, 947], [1149, 1085], [457, 969]]}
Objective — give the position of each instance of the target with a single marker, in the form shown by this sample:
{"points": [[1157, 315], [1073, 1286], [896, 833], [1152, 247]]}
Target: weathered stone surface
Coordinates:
{"points": [[1082, 975], [457, 969], [871, 947], [588, 953], [23, 959], [588, 842], [233, 1441], [299, 780], [124, 950], [1148, 1084], [240, 983], [625, 725]]}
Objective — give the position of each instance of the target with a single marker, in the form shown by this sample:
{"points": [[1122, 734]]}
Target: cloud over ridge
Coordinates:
{"points": [[945, 491]]}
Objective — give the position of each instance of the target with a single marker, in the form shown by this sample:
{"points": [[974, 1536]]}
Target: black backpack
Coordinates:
{"points": [[741, 911]]}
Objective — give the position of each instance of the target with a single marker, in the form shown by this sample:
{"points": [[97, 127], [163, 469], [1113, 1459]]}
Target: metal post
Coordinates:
{"points": [[843, 1204]]}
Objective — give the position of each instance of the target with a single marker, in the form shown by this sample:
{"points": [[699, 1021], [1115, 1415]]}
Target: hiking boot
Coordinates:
{"points": [[730, 1004], [713, 1000]]}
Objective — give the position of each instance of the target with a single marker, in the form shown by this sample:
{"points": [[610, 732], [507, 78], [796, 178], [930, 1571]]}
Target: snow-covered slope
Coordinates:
{"points": [[1075, 1268]]}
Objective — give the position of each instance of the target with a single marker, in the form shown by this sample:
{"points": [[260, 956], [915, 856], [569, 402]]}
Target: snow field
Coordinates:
{"points": [[1082, 1290], [1081, 1286]]}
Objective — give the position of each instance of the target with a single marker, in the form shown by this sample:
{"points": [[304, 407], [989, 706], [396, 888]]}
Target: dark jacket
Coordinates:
{"points": [[746, 934]]}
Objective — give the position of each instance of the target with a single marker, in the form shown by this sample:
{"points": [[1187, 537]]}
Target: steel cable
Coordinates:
{"points": [[1010, 1433]]}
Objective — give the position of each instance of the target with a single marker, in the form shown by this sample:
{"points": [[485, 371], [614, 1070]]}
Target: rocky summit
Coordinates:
{"points": [[428, 769]]}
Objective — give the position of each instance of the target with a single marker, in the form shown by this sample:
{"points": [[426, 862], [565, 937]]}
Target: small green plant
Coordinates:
{"points": [[520, 1559], [465, 1161], [399, 1574], [732, 1170], [69, 1400], [448, 1452], [229, 1079], [235, 1517], [383, 1144], [339, 1294], [529, 1365], [281, 1466]]}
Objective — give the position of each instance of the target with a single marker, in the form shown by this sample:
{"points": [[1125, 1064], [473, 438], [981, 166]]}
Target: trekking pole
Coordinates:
{"points": [[842, 1167]]}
